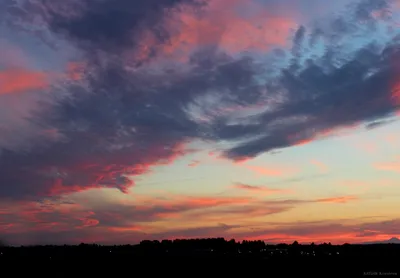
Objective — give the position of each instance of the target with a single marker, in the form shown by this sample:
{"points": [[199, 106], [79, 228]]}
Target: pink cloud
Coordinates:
{"points": [[391, 139], [20, 80], [15, 80], [396, 93], [220, 23], [271, 171], [260, 189]]}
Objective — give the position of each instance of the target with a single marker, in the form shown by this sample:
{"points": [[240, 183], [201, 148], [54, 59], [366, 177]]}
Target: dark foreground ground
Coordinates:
{"points": [[202, 259]]}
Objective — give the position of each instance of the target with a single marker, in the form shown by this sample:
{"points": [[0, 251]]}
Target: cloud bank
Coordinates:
{"points": [[157, 75]]}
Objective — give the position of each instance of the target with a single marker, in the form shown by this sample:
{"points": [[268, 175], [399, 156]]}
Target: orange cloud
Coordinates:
{"points": [[393, 166], [126, 229], [210, 201], [342, 199], [20, 80], [194, 163]]}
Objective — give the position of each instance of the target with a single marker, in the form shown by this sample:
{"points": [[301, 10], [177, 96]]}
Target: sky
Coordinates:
{"points": [[270, 120]]}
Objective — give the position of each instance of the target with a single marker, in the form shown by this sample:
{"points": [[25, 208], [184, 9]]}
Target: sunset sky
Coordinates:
{"points": [[124, 120]]}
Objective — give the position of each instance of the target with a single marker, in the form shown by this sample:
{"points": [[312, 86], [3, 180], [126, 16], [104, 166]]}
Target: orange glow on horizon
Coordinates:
{"points": [[334, 238]]}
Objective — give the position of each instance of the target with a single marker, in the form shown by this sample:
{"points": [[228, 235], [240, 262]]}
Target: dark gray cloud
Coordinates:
{"points": [[379, 123], [120, 126], [323, 102], [335, 90], [127, 117], [108, 25]]}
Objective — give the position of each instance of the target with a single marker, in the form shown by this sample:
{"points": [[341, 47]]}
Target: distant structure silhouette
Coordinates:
{"points": [[215, 253]]}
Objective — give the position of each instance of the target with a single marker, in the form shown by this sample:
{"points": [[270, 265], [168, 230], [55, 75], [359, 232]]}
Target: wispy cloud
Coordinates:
{"points": [[392, 166], [271, 171], [144, 215], [194, 163], [127, 112], [119, 86], [322, 167], [341, 199], [260, 189]]}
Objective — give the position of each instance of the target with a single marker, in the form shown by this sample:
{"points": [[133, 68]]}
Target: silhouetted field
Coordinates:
{"points": [[210, 257]]}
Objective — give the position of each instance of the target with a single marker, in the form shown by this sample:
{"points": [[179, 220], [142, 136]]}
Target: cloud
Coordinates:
{"points": [[367, 147], [302, 231], [257, 25], [393, 166], [19, 80], [390, 139], [335, 231], [106, 24], [124, 114], [341, 199], [317, 90], [326, 231], [259, 189], [320, 165], [52, 217], [379, 123], [145, 217], [61, 170], [271, 171], [194, 163], [12, 56]]}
